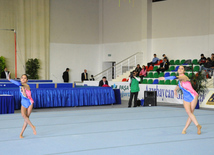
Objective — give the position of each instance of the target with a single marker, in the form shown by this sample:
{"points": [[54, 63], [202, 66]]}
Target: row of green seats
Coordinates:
{"points": [[155, 75], [167, 82], [173, 68], [180, 62]]}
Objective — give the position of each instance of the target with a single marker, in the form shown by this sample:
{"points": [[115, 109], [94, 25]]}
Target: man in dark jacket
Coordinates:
{"points": [[163, 66], [5, 73], [103, 82], [84, 76], [65, 75]]}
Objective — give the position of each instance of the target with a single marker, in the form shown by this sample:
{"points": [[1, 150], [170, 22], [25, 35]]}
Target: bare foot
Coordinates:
{"points": [[20, 136], [199, 129], [183, 132], [34, 130]]}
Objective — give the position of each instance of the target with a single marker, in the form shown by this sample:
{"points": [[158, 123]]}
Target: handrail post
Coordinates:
{"points": [[128, 65]]}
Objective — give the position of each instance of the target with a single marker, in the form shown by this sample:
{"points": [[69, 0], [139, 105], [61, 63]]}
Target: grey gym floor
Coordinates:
{"points": [[108, 130]]}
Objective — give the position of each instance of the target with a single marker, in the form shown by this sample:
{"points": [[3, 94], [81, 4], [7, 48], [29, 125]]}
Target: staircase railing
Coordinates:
{"points": [[121, 67]]}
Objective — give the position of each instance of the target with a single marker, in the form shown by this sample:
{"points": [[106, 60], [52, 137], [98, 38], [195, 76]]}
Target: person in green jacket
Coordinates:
{"points": [[134, 87]]}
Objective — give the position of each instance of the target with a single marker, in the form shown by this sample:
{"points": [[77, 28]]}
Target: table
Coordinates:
{"points": [[6, 104]]}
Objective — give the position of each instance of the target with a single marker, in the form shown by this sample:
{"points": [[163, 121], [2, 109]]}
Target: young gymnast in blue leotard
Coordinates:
{"points": [[190, 97], [26, 102]]}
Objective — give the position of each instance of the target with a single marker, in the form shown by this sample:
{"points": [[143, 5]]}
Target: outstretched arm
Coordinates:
{"points": [[167, 78], [13, 81]]}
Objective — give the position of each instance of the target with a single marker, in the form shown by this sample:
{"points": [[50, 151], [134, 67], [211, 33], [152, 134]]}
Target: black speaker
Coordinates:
{"points": [[150, 98]]}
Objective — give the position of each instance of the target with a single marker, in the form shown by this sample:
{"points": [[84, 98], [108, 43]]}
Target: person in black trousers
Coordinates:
{"points": [[65, 75], [163, 66]]}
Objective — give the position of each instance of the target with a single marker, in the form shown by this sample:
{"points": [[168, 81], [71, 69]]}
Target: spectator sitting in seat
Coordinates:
{"points": [[103, 82], [154, 61], [208, 67], [163, 66], [202, 60], [92, 78], [164, 56], [138, 69], [143, 72]]}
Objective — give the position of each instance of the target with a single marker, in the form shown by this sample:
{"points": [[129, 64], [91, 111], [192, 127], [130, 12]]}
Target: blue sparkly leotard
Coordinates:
{"points": [[26, 99], [188, 92]]}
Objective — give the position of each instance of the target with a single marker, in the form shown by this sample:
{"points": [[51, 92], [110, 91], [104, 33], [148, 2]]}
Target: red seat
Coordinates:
{"points": [[159, 62], [150, 68], [124, 80]]}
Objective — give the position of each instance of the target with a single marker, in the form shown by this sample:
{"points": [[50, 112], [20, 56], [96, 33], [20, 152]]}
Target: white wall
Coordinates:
{"points": [[183, 29], [77, 57]]}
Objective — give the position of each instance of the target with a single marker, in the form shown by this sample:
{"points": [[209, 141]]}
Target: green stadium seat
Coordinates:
{"points": [[167, 82], [161, 82], [196, 68], [174, 82], [190, 75], [150, 75], [183, 61], [187, 74], [161, 75], [172, 74], [171, 62], [144, 81], [172, 68], [177, 62], [155, 68], [150, 81], [195, 62], [156, 75]]}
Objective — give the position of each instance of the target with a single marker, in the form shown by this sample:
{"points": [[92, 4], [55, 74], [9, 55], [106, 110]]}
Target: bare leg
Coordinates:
{"points": [[189, 107], [25, 114], [192, 108]]}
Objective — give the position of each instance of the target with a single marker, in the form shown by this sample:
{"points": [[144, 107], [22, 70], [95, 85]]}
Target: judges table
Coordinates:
{"points": [[65, 97], [6, 104]]}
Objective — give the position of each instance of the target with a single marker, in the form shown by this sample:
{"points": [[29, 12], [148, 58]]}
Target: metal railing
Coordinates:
{"points": [[121, 67]]}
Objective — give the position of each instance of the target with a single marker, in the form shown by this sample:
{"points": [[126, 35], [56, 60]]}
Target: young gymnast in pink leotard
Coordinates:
{"points": [[190, 97], [26, 102]]}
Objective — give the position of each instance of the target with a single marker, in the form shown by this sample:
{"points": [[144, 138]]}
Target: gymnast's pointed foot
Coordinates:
{"points": [[183, 132], [199, 129], [34, 130], [21, 136]]}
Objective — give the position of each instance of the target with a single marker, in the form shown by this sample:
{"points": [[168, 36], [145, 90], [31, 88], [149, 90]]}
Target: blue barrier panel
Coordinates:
{"points": [[64, 85]]}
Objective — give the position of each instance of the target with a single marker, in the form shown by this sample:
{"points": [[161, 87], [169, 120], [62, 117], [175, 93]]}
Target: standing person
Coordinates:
{"points": [[143, 72], [154, 61], [65, 75], [134, 87], [26, 102], [84, 76], [103, 82], [163, 66], [190, 97], [5, 73]]}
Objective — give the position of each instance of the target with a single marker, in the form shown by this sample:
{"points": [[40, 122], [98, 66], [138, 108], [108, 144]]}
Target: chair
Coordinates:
{"points": [[161, 82], [161, 75], [196, 68], [174, 82], [176, 68], [155, 81], [172, 74], [156, 75], [177, 62], [150, 68], [124, 80], [183, 61], [167, 82], [195, 62], [150, 75], [144, 81], [171, 62], [186, 74], [191, 74], [171, 68], [150, 81], [155, 68], [167, 74], [159, 62]]}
